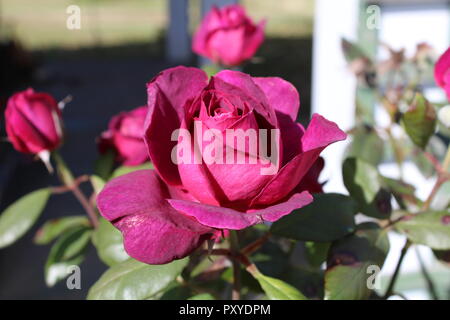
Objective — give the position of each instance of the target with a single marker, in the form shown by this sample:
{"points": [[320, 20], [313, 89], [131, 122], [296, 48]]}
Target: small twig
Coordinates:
{"points": [[426, 276], [64, 189], [85, 204], [435, 162], [252, 247], [390, 288], [439, 182]]}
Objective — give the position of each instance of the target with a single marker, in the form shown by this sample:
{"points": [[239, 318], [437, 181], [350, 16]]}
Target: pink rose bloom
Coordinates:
{"points": [[33, 122], [166, 213], [442, 72], [125, 136], [228, 36]]}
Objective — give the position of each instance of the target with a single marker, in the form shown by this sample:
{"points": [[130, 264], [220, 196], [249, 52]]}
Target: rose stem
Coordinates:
{"points": [[397, 270], [234, 247], [66, 177], [427, 277]]}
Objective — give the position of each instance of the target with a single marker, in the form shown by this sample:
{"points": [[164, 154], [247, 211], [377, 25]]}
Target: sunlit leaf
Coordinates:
{"points": [[20, 216], [134, 280], [109, 243], [54, 228]]}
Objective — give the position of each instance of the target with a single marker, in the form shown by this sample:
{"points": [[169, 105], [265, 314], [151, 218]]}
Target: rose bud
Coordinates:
{"points": [[34, 123], [125, 136], [442, 72], [166, 213], [228, 36]]}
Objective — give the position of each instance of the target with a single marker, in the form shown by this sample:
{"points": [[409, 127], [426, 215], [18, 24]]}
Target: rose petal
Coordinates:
{"points": [[242, 85], [442, 68], [226, 46], [319, 134], [281, 94], [168, 94], [226, 218], [254, 41], [291, 137], [153, 231]]}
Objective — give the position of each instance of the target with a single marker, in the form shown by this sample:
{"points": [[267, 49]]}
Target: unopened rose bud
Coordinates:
{"points": [[33, 122]]}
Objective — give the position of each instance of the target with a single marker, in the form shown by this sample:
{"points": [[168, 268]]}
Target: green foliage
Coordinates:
{"points": [[56, 227], [327, 218], [134, 280], [366, 145], [109, 243], [20, 216], [347, 271], [276, 289], [419, 121], [363, 182], [428, 228], [68, 250]]}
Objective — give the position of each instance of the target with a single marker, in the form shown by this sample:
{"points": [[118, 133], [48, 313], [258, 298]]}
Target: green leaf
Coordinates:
{"points": [[431, 229], [316, 253], [97, 183], [20, 216], [419, 121], [126, 169], [175, 291], [347, 283], [401, 191], [109, 243], [327, 218], [366, 145], [134, 280], [202, 296], [276, 289], [54, 228], [352, 51], [347, 271], [104, 164], [363, 183], [309, 282], [67, 251], [443, 256]]}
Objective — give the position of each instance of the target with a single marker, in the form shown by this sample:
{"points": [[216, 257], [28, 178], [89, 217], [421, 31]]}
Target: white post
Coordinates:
{"points": [[333, 86]]}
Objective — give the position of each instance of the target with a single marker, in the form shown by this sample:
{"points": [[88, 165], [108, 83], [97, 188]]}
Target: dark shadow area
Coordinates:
{"points": [[102, 82]]}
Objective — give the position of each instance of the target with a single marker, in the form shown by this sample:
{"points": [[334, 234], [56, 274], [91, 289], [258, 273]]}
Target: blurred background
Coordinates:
{"points": [[121, 45]]}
